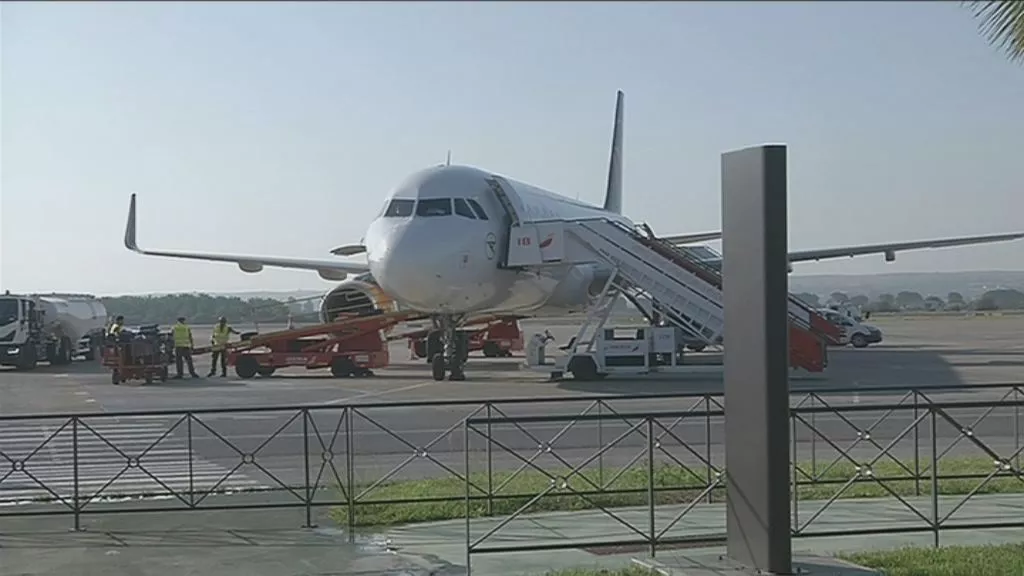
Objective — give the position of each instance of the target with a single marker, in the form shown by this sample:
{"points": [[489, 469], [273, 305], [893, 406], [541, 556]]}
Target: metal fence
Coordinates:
{"points": [[647, 462]]}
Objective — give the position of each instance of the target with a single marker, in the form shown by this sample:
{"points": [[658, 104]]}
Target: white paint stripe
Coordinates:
{"points": [[377, 394]]}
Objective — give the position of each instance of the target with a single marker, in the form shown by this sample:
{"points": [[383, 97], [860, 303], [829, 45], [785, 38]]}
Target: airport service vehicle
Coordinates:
{"points": [[142, 353], [853, 330], [351, 345], [441, 244], [51, 328], [499, 338]]}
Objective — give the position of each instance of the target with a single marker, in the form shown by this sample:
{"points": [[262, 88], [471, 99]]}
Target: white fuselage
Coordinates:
{"points": [[430, 249]]}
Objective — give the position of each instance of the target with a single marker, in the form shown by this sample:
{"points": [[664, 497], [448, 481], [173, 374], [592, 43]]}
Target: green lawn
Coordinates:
{"points": [[674, 485], [1005, 560]]}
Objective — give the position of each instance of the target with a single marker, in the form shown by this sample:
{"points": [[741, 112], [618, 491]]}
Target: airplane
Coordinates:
{"points": [[436, 247]]}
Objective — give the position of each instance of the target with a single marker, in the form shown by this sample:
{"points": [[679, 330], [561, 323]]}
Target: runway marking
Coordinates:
{"points": [[380, 393]]}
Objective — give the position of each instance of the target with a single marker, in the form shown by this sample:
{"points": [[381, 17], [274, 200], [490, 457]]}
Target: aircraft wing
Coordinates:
{"points": [[890, 250], [327, 269]]}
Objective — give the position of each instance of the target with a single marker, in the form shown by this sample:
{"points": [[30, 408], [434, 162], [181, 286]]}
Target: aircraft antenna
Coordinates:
{"points": [[448, 160]]}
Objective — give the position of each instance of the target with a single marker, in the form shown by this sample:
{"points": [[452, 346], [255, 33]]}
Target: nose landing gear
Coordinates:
{"points": [[448, 348]]}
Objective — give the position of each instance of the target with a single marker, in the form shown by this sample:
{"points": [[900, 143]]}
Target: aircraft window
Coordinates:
{"points": [[463, 209], [478, 209], [400, 208], [434, 207]]}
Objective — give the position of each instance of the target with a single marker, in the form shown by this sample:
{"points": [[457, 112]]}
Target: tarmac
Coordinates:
{"points": [[917, 353]]}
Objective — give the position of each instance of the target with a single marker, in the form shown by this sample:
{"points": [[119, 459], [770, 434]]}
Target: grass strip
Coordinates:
{"points": [[1001, 560], [425, 500]]}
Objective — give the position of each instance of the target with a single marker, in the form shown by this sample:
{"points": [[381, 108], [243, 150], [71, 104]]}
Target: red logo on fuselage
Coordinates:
{"points": [[547, 242]]}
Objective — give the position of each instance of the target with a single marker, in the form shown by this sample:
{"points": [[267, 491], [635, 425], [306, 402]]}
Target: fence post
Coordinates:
{"points": [[935, 477], [707, 446], [191, 475], [465, 451], [917, 446], [305, 459], [490, 463], [600, 444], [796, 477], [1016, 427], [74, 460], [650, 484], [350, 463]]}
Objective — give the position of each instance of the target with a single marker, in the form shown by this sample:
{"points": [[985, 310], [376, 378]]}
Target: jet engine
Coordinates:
{"points": [[580, 287], [360, 295]]}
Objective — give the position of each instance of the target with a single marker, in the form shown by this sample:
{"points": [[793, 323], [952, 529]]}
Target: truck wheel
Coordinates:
{"points": [[28, 359], [342, 367], [115, 377], [858, 341], [491, 349], [246, 367], [419, 348], [266, 371]]}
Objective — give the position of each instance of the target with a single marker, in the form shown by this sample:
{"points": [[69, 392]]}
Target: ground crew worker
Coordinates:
{"points": [[183, 344], [115, 329], [221, 334]]}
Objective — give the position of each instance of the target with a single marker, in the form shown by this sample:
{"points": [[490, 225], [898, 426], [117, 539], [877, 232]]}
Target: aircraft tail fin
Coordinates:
{"points": [[613, 194]]}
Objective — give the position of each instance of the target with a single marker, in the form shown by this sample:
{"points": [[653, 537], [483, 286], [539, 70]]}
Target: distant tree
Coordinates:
{"points": [[884, 303], [1003, 299], [860, 300], [1002, 21], [985, 303], [197, 308], [838, 297], [934, 303], [908, 300], [955, 298], [811, 299]]}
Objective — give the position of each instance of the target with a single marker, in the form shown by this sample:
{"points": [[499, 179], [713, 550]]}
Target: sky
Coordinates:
{"points": [[280, 128]]}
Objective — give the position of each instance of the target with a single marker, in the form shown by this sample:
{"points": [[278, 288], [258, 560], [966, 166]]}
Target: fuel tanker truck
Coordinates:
{"points": [[52, 328]]}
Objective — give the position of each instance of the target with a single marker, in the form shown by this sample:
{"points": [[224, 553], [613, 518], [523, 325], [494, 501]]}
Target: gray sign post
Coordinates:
{"points": [[755, 286]]}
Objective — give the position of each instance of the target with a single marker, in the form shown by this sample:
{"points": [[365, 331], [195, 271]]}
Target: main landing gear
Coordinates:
{"points": [[447, 348]]}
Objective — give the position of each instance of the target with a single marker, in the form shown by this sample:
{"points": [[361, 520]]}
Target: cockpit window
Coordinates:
{"points": [[400, 208], [478, 209], [434, 207], [463, 209]]}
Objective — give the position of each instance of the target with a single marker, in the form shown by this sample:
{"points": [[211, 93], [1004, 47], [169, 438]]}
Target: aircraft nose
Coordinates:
{"points": [[414, 265]]}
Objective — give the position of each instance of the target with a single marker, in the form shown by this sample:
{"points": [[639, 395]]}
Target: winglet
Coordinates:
{"points": [[129, 229], [613, 194]]}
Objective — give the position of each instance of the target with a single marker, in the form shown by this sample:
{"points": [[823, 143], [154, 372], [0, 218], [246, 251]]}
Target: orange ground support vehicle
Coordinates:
{"points": [[499, 338], [349, 346], [146, 356]]}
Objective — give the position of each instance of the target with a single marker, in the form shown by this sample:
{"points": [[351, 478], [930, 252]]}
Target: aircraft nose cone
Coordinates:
{"points": [[411, 267]]}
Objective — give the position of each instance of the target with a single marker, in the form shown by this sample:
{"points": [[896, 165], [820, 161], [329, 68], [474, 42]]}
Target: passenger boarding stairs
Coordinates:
{"points": [[687, 291]]}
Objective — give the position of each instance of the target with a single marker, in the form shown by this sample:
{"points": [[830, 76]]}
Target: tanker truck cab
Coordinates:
{"points": [[50, 328], [854, 331]]}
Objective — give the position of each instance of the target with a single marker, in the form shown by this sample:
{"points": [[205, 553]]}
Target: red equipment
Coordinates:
{"points": [[349, 346], [137, 360], [498, 339]]}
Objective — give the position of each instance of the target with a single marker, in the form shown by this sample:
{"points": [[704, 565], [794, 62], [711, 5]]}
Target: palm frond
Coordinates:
{"points": [[1002, 21]]}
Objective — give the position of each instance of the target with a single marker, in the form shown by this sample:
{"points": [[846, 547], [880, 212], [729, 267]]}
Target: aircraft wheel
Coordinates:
{"points": [[437, 367]]}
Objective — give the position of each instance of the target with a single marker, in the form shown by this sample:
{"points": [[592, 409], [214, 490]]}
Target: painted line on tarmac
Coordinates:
{"points": [[379, 394]]}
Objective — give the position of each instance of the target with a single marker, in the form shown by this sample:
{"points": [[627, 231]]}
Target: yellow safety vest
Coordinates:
{"points": [[221, 336], [182, 336], [115, 329]]}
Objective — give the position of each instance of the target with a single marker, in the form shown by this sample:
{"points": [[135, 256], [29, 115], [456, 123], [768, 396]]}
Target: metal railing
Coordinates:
{"points": [[627, 456]]}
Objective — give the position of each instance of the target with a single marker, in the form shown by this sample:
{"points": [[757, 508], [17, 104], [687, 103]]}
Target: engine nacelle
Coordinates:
{"points": [[361, 295], [579, 288]]}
